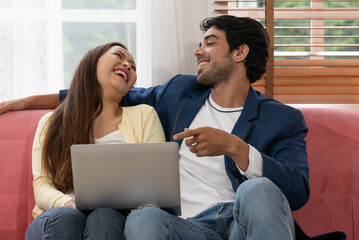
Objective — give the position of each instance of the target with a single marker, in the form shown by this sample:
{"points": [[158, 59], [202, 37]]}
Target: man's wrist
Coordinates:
{"points": [[240, 153]]}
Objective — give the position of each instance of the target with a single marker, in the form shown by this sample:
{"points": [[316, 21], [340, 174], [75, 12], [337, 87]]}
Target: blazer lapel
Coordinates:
{"points": [[189, 109], [243, 126], [242, 129]]}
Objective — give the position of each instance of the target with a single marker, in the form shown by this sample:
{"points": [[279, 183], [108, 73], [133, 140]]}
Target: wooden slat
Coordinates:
{"points": [[269, 23], [319, 27], [288, 99], [324, 62], [316, 90], [318, 81], [302, 10], [309, 36], [293, 15], [308, 72], [260, 82], [261, 89], [312, 54], [302, 1], [314, 45]]}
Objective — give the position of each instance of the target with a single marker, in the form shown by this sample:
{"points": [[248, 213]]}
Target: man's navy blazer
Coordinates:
{"points": [[276, 130]]}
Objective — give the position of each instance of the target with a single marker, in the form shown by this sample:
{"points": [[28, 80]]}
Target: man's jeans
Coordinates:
{"points": [[260, 211], [68, 223]]}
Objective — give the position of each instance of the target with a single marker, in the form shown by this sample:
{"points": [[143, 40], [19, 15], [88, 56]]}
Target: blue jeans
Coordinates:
{"points": [[68, 223], [260, 211]]}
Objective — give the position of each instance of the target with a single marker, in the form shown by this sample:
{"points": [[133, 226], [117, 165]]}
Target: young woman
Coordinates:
{"points": [[89, 114]]}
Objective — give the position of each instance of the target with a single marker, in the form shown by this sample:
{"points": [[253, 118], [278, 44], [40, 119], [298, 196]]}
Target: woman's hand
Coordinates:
{"points": [[71, 203]]}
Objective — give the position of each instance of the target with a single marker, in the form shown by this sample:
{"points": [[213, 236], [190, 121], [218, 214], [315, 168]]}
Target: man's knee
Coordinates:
{"points": [[152, 221], [259, 187], [260, 195], [258, 202], [145, 215]]}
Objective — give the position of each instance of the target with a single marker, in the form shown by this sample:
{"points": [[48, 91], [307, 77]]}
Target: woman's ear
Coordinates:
{"points": [[240, 54]]}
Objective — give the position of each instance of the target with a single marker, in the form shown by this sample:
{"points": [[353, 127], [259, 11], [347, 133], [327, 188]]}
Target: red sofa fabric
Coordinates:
{"points": [[17, 130], [333, 152], [333, 155]]}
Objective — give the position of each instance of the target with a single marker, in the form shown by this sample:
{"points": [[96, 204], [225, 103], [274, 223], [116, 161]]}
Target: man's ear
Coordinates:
{"points": [[240, 53]]}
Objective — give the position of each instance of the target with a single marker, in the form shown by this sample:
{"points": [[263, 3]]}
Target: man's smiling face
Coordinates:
{"points": [[215, 63]]}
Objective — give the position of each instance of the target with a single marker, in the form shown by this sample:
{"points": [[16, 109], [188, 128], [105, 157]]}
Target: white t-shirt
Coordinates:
{"points": [[204, 181]]}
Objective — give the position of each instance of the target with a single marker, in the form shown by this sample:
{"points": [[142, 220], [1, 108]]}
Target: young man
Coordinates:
{"points": [[243, 160]]}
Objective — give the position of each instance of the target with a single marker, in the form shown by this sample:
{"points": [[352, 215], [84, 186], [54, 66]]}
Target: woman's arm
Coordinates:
{"points": [[141, 124], [152, 128], [46, 195]]}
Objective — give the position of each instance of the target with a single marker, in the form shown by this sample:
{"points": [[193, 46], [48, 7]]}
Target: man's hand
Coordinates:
{"points": [[207, 141], [47, 101], [12, 105]]}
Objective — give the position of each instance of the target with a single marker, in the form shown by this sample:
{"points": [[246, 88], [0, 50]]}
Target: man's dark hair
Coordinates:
{"points": [[243, 30]]}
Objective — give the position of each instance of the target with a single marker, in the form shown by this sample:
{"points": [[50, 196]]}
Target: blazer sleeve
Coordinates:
{"points": [[286, 163], [150, 96]]}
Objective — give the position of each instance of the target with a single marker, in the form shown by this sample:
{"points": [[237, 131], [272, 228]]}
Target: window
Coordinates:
{"points": [[315, 44], [43, 41]]}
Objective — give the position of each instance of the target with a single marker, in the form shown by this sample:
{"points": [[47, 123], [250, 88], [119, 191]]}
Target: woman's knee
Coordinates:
{"points": [[67, 214], [60, 221], [107, 216]]}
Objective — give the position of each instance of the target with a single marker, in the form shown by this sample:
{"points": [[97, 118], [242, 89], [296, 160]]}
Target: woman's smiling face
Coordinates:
{"points": [[116, 72]]}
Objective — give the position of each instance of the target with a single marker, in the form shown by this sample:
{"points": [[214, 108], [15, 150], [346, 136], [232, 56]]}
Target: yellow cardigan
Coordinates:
{"points": [[139, 124]]}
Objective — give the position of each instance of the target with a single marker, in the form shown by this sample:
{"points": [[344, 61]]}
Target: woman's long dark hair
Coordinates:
{"points": [[72, 121]]}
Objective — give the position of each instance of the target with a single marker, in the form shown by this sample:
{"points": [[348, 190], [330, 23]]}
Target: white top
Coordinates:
{"points": [[111, 138], [204, 181]]}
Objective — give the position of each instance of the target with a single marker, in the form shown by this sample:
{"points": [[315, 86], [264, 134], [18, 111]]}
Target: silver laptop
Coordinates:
{"points": [[126, 176]]}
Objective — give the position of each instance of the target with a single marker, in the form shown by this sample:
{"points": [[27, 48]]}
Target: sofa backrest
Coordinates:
{"points": [[17, 130], [333, 155]]}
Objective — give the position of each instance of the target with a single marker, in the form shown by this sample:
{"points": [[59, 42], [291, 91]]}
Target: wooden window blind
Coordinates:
{"points": [[314, 48]]}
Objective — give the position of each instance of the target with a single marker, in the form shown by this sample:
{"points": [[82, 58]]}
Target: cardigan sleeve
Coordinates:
{"points": [[46, 195]]}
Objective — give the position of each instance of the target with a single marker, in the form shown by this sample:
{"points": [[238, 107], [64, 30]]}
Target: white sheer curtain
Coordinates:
{"points": [[41, 41], [25, 46], [175, 35]]}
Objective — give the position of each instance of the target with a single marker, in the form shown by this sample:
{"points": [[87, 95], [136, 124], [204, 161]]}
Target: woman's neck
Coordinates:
{"points": [[108, 120]]}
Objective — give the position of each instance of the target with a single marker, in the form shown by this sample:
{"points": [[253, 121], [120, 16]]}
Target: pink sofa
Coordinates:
{"points": [[333, 149]]}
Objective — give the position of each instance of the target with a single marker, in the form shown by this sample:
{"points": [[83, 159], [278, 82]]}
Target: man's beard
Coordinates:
{"points": [[219, 73]]}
